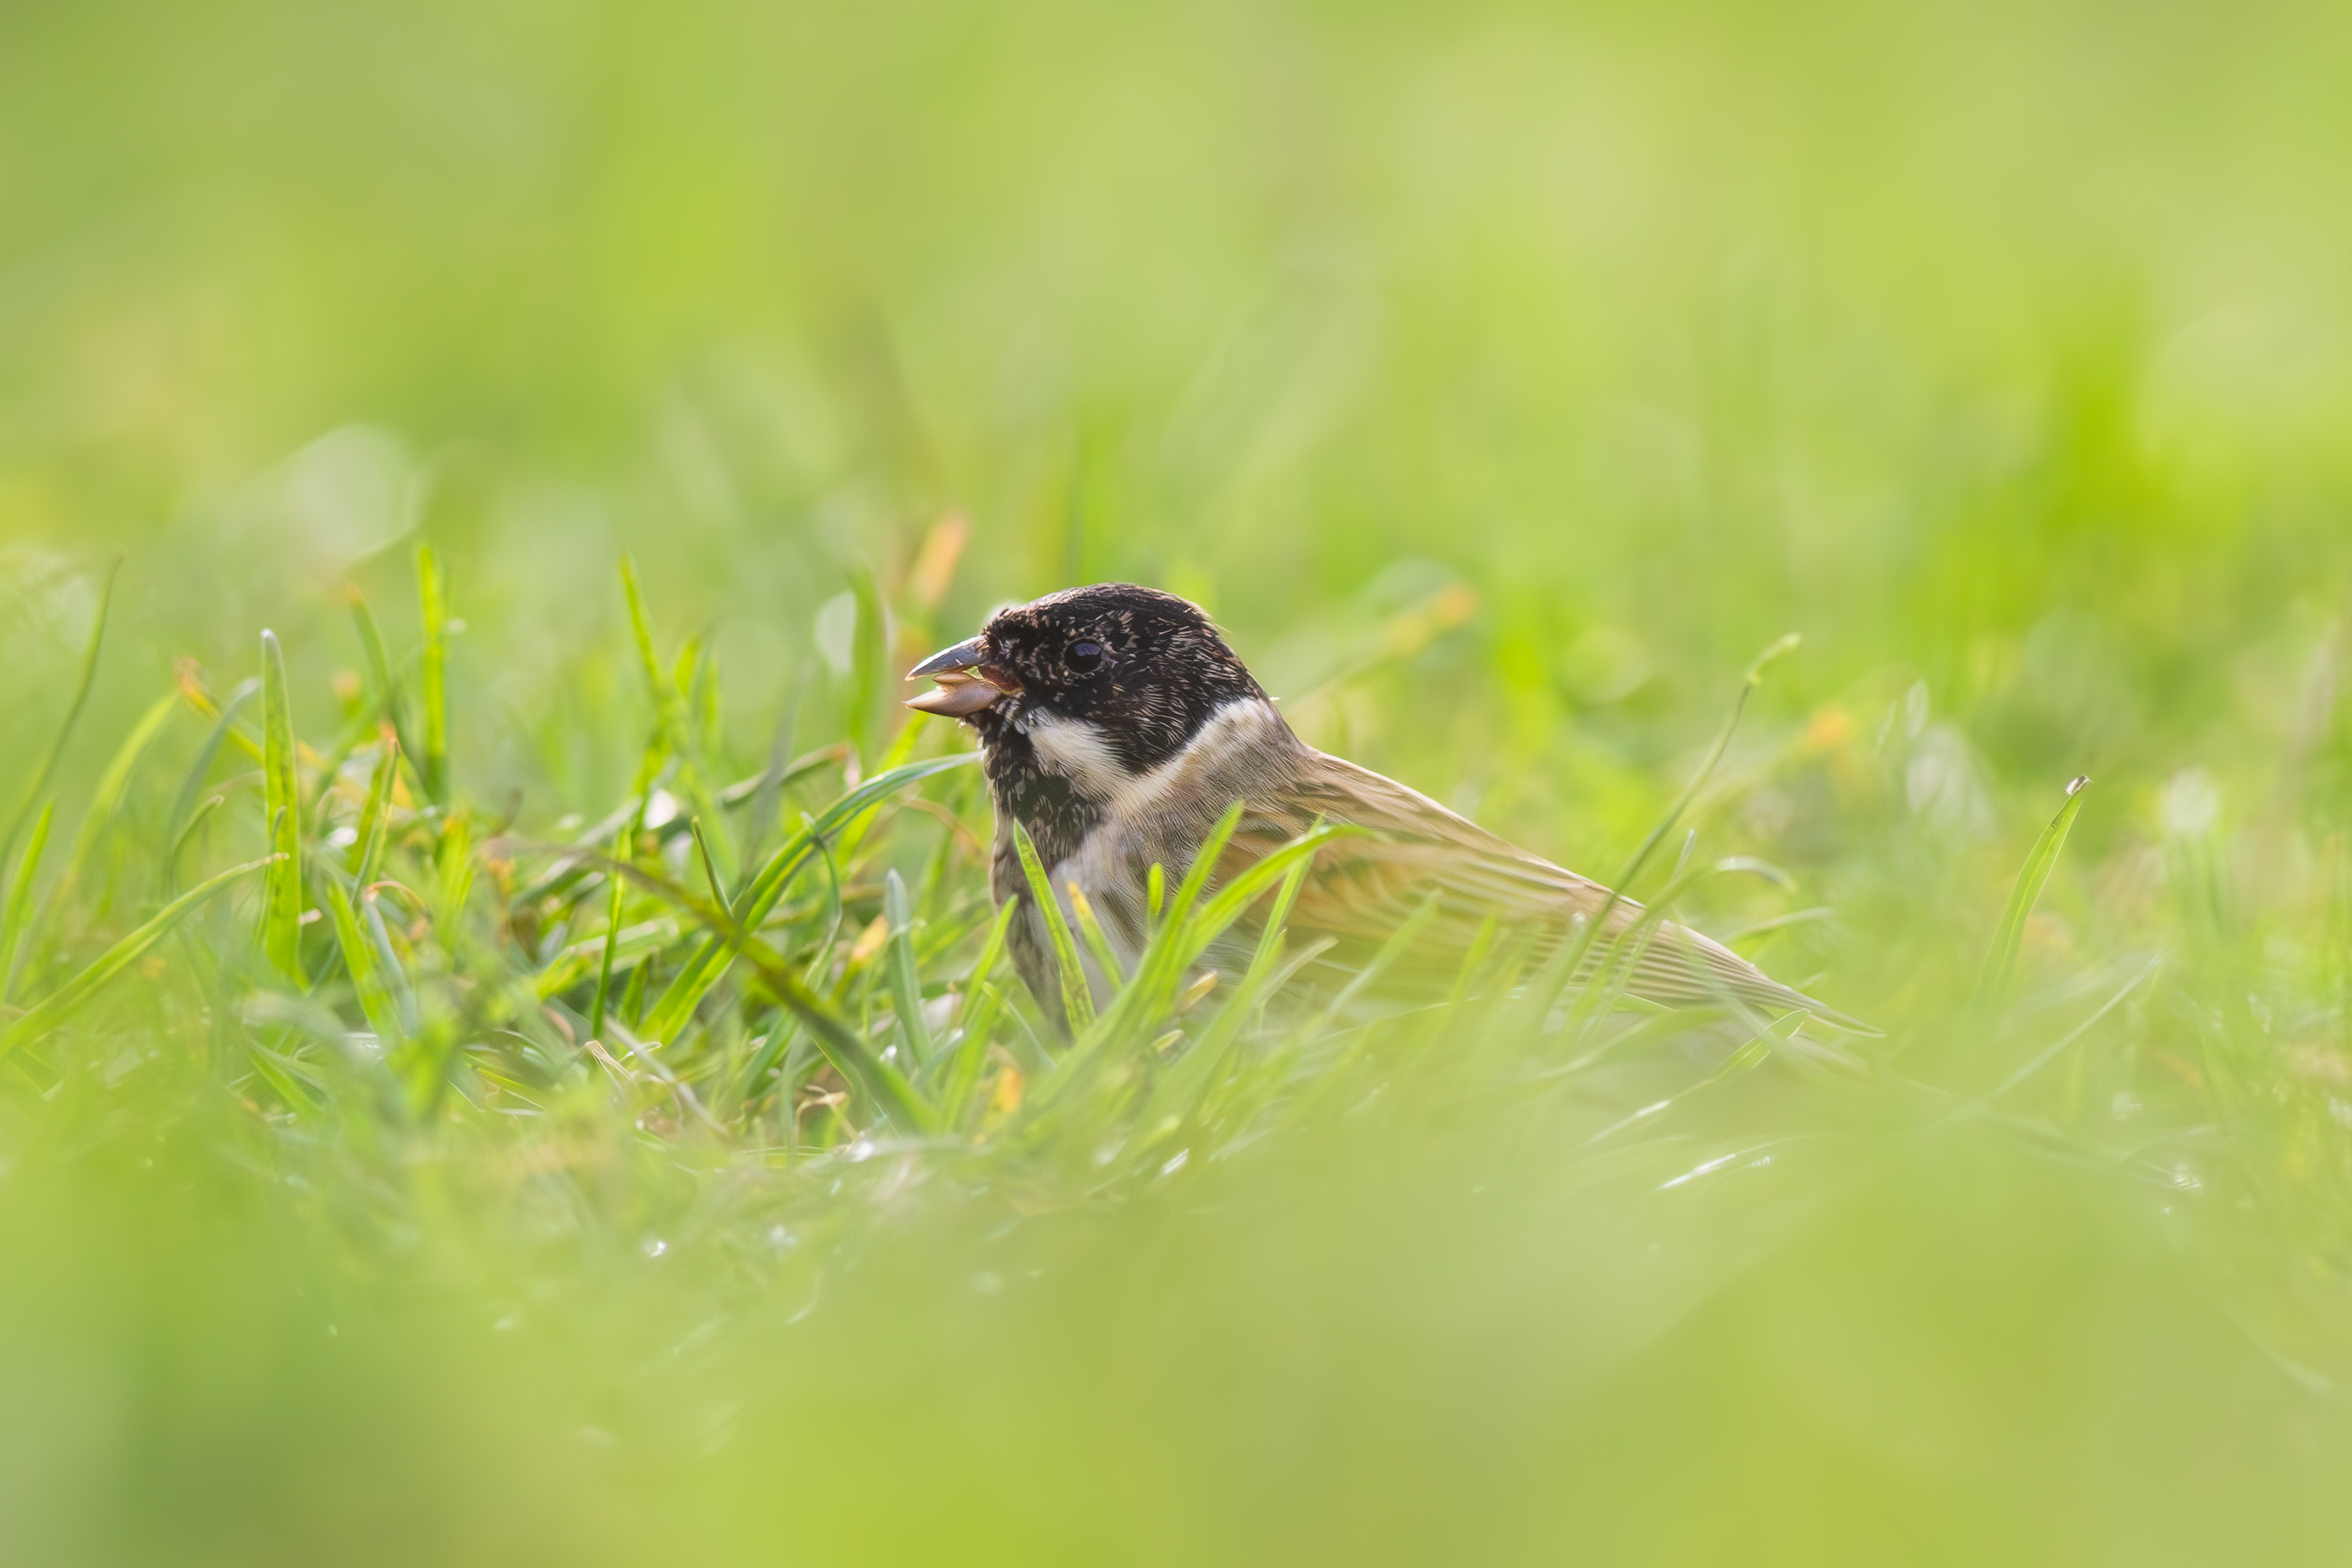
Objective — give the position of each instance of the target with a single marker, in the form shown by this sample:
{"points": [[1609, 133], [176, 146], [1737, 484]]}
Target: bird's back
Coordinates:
{"points": [[1414, 860]]}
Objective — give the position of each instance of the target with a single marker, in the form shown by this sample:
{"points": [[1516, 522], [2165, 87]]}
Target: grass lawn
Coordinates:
{"points": [[506, 1054]]}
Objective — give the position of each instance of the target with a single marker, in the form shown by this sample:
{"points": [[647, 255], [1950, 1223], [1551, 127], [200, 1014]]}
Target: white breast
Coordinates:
{"points": [[1079, 750]]}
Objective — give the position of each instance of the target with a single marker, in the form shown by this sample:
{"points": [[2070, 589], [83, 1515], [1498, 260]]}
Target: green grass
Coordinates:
{"points": [[599, 406]]}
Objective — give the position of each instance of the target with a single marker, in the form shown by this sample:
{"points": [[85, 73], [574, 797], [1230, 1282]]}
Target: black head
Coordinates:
{"points": [[1146, 670]]}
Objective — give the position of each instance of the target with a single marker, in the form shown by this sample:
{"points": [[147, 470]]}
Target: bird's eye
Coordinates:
{"points": [[1086, 657]]}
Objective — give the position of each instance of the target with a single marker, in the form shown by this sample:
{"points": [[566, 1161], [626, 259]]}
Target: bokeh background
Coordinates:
{"points": [[1504, 377]]}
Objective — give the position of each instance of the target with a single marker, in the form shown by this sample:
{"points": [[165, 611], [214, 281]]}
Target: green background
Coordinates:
{"points": [[1503, 378]]}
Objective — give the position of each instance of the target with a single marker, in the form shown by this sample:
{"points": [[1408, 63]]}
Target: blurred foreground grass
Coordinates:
{"points": [[1504, 377]]}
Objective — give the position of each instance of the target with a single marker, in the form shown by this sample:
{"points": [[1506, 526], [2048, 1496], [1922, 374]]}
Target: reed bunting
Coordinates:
{"points": [[1116, 727]]}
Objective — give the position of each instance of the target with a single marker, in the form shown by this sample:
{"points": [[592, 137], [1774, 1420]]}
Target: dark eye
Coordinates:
{"points": [[1085, 658]]}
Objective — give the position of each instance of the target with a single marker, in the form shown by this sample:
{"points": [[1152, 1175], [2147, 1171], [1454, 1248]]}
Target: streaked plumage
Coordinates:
{"points": [[1118, 728]]}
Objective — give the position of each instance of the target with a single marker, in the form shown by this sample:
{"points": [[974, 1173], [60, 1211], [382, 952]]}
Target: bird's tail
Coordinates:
{"points": [[1678, 967]]}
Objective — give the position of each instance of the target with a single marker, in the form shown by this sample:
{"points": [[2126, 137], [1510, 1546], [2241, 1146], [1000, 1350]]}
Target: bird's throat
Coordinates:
{"points": [[1032, 786]]}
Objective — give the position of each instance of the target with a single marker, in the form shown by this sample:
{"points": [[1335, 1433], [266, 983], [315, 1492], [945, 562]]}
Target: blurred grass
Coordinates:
{"points": [[1504, 377]]}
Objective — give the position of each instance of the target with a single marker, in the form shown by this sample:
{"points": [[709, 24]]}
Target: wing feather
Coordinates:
{"points": [[1415, 851]]}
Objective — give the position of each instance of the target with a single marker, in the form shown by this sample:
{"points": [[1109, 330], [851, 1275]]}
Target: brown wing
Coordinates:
{"points": [[1415, 853]]}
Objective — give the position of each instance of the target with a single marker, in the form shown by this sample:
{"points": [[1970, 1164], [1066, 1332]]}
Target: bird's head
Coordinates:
{"points": [[1136, 669]]}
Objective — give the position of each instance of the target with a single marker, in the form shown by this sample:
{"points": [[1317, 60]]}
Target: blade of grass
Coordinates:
{"points": [[433, 674], [696, 676], [2000, 963], [107, 798], [455, 852], [710, 877], [697, 682], [391, 701], [704, 705], [769, 792], [820, 950], [1090, 932], [360, 962], [388, 963], [281, 910], [633, 999], [906, 985], [16, 915], [375, 815], [657, 681], [1666, 825], [41, 775], [1077, 999], [686, 677], [192, 691], [980, 1005], [285, 1077], [869, 651], [612, 944], [192, 784], [624, 849], [196, 820], [633, 944], [60, 1004], [775, 1048], [1474, 958]]}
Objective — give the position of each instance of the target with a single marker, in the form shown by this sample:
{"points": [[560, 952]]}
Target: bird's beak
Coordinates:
{"points": [[966, 682]]}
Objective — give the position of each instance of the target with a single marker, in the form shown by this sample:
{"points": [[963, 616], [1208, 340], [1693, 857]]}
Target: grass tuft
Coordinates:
{"points": [[1993, 986]]}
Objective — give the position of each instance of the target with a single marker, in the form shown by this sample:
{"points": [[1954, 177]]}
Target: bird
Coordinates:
{"points": [[1116, 727]]}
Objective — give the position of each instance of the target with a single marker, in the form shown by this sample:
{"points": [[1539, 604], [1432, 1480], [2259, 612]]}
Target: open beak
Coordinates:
{"points": [[966, 683]]}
